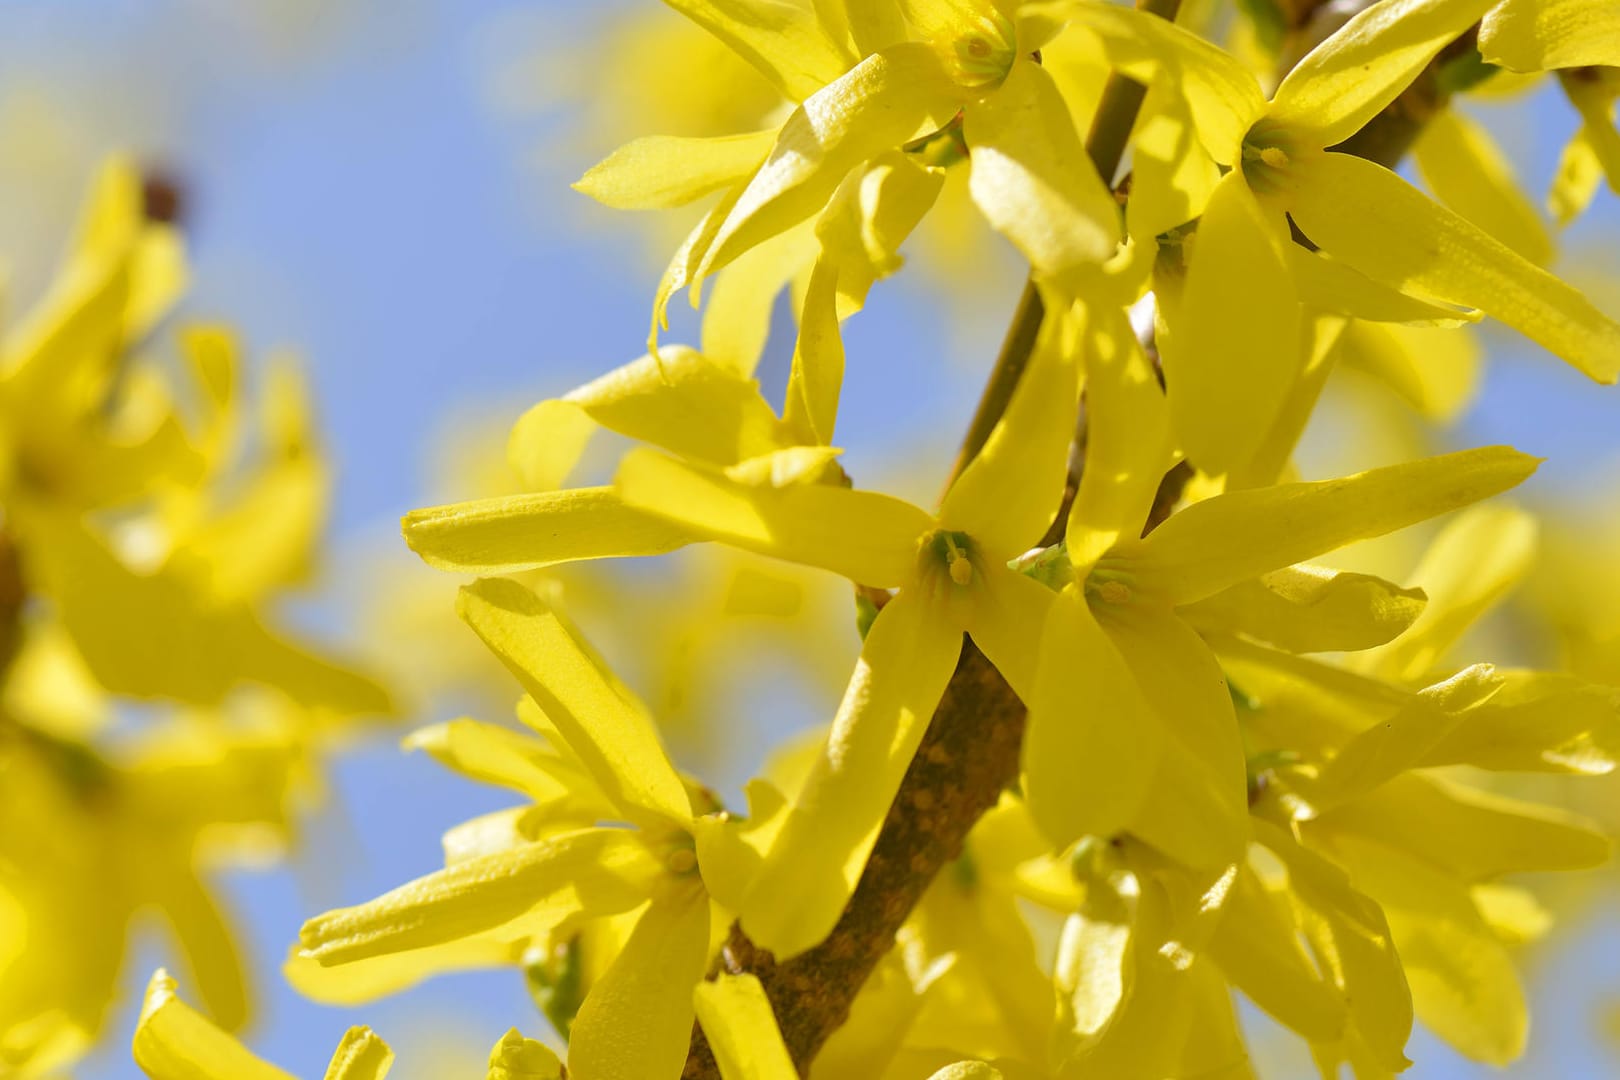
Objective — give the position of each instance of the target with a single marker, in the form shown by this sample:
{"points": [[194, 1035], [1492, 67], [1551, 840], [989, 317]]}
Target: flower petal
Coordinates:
{"points": [[784, 41], [742, 302], [1006, 621], [813, 867], [1384, 227], [663, 171], [1127, 441], [1091, 748], [1311, 609], [517, 1058], [360, 1056], [173, 1042], [883, 102], [1466, 170], [1539, 35], [547, 442], [1221, 541], [1033, 180], [817, 377], [637, 1019], [1234, 347], [686, 403], [741, 1029], [512, 533], [867, 537], [1363, 66], [1007, 496], [1477, 558], [528, 889], [611, 733]]}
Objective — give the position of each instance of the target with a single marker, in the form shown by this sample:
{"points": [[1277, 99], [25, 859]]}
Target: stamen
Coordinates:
{"points": [[1273, 156], [1114, 592], [681, 861], [956, 561]]}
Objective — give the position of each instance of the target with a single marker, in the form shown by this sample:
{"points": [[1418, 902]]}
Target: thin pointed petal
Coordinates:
{"points": [[867, 537], [741, 1029], [1007, 497], [1091, 748], [512, 533], [1221, 541], [1349, 78], [812, 869], [173, 1042], [1384, 227], [663, 171], [612, 736], [1235, 350]]}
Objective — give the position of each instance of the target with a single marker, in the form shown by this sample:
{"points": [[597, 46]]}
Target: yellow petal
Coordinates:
{"points": [[517, 1058], [1465, 169], [207, 941], [1235, 350], [388, 974], [683, 265], [1353, 946], [1580, 174], [1216, 543], [686, 403], [172, 1042], [1594, 98], [1384, 750], [1172, 175], [1539, 35], [512, 533], [867, 537], [869, 24], [1539, 722], [786, 44], [1362, 67], [1224, 96], [1473, 835], [1328, 285], [883, 102], [817, 376], [1201, 814], [1006, 619], [1311, 609], [157, 635], [1437, 372], [813, 867], [742, 303], [1464, 985], [870, 217], [1007, 496], [1467, 569], [1384, 227], [497, 755], [1091, 748], [547, 442], [528, 889], [1032, 179], [360, 1056], [1127, 441], [1260, 953], [637, 1019], [662, 171], [609, 732], [741, 1029]]}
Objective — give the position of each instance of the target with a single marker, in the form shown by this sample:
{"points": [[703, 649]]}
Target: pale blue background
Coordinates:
{"points": [[358, 193]]}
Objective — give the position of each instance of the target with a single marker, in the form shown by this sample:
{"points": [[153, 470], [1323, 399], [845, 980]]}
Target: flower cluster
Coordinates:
{"points": [[1234, 769], [139, 550]]}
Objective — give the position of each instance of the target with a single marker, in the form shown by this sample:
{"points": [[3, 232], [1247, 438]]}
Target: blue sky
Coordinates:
{"points": [[359, 195]]}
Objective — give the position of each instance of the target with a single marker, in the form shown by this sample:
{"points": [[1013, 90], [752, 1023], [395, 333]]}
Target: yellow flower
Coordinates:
{"points": [[89, 843], [543, 873], [1131, 724], [1233, 347], [952, 577]]}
